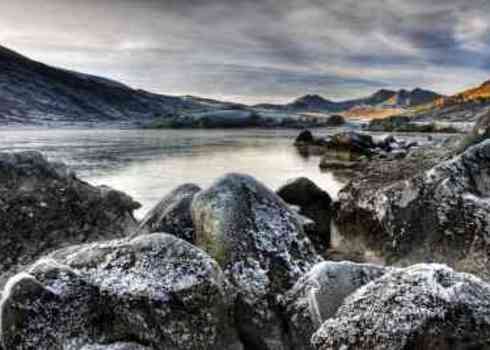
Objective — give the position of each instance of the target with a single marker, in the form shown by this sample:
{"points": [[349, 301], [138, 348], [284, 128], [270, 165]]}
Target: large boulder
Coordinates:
{"points": [[335, 120], [259, 242], [43, 206], [173, 214], [115, 346], [353, 142], [438, 214], [305, 137], [318, 294], [315, 204], [153, 292], [348, 146], [480, 132], [421, 307]]}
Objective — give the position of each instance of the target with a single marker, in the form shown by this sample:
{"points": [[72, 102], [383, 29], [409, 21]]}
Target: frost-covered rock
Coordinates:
{"points": [[421, 307], [316, 296], [155, 290], [173, 214], [44, 207], [440, 214], [115, 346], [259, 242], [480, 132], [314, 203]]}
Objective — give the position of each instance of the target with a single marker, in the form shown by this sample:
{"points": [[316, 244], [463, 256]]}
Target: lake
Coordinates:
{"points": [[147, 164]]}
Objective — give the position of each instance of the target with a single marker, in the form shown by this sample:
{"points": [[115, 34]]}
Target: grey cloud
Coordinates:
{"points": [[252, 48]]}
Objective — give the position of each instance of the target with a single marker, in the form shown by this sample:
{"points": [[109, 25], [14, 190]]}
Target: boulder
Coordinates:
{"points": [[438, 214], [307, 144], [115, 346], [421, 307], [482, 127], [352, 141], [153, 292], [43, 207], [480, 132], [318, 294], [349, 146], [385, 142], [259, 242], [335, 120], [173, 214], [305, 137], [315, 204]]}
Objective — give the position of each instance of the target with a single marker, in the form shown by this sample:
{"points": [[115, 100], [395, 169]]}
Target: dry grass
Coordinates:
{"points": [[370, 113]]}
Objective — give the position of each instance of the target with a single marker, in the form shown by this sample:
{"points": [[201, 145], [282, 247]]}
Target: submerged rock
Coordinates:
{"points": [[43, 207], [173, 214], [316, 296], [315, 204], [440, 214], [152, 292], [259, 242], [420, 307]]}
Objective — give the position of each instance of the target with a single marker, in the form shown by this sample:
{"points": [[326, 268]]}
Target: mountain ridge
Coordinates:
{"points": [[32, 92]]}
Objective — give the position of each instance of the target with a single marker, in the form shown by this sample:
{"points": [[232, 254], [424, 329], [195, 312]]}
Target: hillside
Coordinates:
{"points": [[478, 94], [466, 106], [35, 93]]}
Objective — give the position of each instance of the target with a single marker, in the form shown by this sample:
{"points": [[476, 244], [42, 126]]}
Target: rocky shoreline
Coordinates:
{"points": [[236, 266]]}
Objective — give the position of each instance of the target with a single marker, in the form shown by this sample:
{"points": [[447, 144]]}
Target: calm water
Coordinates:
{"points": [[147, 164]]}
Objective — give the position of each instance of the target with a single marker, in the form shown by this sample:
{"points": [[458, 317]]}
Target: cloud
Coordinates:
{"points": [[259, 50]]}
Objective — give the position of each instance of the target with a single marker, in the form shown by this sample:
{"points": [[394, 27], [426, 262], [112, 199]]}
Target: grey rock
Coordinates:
{"points": [[259, 242], [438, 214], [480, 132], [43, 207], [173, 214], [314, 203], [335, 120], [318, 294], [155, 290], [115, 346], [421, 307], [304, 137]]}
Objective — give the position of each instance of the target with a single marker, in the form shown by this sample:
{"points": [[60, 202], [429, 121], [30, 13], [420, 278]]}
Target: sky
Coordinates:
{"points": [[255, 51]]}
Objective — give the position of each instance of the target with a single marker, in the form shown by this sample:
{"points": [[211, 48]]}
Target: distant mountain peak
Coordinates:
{"points": [[313, 102], [383, 94], [311, 98]]}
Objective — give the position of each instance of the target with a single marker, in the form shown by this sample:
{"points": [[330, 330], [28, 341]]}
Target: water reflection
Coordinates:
{"points": [[147, 164]]}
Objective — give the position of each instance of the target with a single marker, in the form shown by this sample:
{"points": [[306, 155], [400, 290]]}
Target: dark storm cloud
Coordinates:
{"points": [[259, 50]]}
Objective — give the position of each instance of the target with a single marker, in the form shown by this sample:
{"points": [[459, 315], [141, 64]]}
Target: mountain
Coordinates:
{"points": [[32, 92], [464, 107], [35, 93], [313, 103], [381, 99], [478, 94]]}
